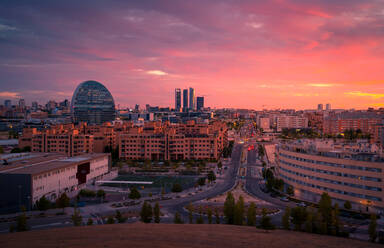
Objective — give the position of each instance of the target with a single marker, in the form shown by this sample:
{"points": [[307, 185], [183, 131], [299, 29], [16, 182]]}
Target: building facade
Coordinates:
{"points": [[28, 177], [347, 172], [177, 100], [192, 103], [199, 102]]}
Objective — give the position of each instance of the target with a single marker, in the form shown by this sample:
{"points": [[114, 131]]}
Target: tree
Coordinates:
{"points": [[251, 215], [309, 222], [335, 220], [200, 219], [265, 222], [76, 217], [211, 176], [101, 194], [190, 213], [201, 181], [176, 188], [347, 205], [209, 214], [146, 212], [299, 215], [177, 219], [43, 204], [219, 165], [134, 193], [1, 150], [156, 212], [217, 216], [325, 209], [119, 217], [110, 220], [89, 222], [63, 201], [372, 228], [239, 211], [229, 208], [285, 218], [290, 190], [21, 223]]}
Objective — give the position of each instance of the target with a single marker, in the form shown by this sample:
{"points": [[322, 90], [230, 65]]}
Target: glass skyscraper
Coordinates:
{"points": [[92, 103]]}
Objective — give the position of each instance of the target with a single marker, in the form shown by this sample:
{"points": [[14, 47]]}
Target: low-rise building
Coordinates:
{"points": [[26, 177]]}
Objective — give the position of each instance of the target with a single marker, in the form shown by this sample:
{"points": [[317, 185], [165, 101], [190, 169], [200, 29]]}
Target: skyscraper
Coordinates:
{"points": [[320, 106], [192, 98], [185, 100], [22, 103], [8, 103], [177, 100], [199, 102], [328, 106], [92, 103]]}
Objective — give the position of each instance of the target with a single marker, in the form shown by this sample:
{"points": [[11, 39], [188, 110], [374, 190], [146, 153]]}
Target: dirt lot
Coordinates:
{"points": [[171, 235]]}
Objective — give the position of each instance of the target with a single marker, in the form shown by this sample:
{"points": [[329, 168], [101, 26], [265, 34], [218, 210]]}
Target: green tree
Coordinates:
{"points": [[265, 222], [134, 193], [201, 181], [76, 217], [43, 204], [217, 216], [290, 190], [119, 217], [309, 222], [101, 194], [251, 215], [285, 218], [190, 213], [199, 218], [325, 209], [110, 220], [209, 214], [219, 165], [229, 208], [211, 176], [176, 188], [146, 212], [21, 223], [156, 212], [335, 220], [177, 219], [298, 215], [63, 201], [89, 222], [239, 211], [347, 205], [372, 228]]}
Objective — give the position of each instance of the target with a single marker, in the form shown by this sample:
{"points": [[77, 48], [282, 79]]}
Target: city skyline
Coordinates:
{"points": [[278, 54]]}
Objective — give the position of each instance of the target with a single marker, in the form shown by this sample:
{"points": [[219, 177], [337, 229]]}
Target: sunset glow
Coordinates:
{"points": [[246, 54]]}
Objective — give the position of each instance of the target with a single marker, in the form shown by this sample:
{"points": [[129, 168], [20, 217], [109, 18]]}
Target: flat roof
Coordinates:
{"points": [[37, 163]]}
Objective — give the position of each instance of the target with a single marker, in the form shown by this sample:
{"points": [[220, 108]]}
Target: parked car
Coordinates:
{"points": [[284, 199], [301, 204]]}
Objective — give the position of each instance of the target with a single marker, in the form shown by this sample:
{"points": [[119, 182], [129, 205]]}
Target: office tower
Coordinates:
{"points": [[35, 106], [92, 103], [137, 107], [22, 103], [177, 100], [192, 98], [8, 103], [199, 102], [328, 106], [185, 100], [320, 107]]}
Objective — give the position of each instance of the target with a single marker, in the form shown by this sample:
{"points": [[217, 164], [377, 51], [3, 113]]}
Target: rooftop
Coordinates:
{"points": [[36, 163]]}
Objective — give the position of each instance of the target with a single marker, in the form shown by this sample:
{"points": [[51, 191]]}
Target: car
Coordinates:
{"points": [[301, 204], [284, 199]]}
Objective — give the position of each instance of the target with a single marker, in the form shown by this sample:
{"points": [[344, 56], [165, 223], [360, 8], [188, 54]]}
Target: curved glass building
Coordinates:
{"points": [[92, 103]]}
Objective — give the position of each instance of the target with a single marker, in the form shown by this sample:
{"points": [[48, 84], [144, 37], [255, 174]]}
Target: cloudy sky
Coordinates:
{"points": [[237, 53]]}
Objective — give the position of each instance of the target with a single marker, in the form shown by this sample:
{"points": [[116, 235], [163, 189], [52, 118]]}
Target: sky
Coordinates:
{"points": [[237, 53]]}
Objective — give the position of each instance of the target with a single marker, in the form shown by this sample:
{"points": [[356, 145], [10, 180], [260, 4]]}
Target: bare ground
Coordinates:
{"points": [[172, 235]]}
